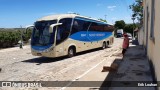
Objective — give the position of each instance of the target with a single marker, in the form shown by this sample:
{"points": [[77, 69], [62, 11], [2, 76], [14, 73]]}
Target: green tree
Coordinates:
{"points": [[73, 13], [119, 24], [10, 37], [129, 28], [137, 9], [27, 35], [102, 20]]}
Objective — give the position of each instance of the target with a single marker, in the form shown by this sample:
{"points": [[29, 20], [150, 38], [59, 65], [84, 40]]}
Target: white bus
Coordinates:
{"points": [[67, 34]]}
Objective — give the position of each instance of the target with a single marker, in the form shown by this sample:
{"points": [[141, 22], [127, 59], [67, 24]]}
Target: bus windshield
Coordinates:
{"points": [[41, 35]]}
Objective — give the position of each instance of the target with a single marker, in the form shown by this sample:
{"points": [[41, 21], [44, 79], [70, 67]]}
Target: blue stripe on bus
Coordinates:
{"points": [[41, 48], [90, 36]]}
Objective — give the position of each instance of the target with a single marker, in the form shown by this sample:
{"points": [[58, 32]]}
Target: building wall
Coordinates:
{"points": [[156, 46], [140, 36], [152, 23]]}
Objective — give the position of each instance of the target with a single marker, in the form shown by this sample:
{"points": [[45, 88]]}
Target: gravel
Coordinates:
{"points": [[20, 65]]}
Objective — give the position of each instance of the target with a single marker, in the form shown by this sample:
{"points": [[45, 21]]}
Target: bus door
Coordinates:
{"points": [[63, 32]]}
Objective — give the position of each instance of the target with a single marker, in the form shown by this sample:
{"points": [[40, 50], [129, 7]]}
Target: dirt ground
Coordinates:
{"points": [[19, 65]]}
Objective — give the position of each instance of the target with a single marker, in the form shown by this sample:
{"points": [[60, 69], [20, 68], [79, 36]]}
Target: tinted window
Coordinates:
{"points": [[96, 27], [80, 25], [63, 30], [108, 28], [41, 35]]}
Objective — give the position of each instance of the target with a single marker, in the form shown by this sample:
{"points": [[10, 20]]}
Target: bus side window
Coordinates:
{"points": [[75, 27], [96, 27], [93, 27], [86, 25], [80, 25]]}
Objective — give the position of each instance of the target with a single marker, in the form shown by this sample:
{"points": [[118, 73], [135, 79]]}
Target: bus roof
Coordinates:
{"points": [[59, 16]]}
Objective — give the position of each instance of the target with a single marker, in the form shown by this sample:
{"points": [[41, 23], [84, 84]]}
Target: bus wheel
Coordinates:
{"points": [[71, 52], [104, 45], [107, 45]]}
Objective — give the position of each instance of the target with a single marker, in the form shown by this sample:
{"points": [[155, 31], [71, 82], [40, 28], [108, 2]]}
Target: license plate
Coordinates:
{"points": [[39, 54]]}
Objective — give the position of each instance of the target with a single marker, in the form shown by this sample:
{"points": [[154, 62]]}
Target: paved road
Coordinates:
{"points": [[19, 65]]}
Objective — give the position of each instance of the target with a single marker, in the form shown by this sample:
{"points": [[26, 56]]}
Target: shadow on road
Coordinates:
{"points": [[89, 51], [41, 60], [108, 80], [135, 42], [134, 68]]}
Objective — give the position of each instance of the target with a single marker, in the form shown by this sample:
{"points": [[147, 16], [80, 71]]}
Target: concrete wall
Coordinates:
{"points": [[141, 36], [156, 56], [152, 22]]}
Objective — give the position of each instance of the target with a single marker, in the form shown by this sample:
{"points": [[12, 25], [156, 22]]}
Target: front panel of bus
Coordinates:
{"points": [[44, 43]]}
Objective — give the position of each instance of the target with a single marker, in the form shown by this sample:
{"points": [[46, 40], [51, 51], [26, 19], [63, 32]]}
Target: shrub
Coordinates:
{"points": [[10, 37]]}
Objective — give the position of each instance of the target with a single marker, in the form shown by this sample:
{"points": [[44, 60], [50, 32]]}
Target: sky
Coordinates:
{"points": [[16, 13]]}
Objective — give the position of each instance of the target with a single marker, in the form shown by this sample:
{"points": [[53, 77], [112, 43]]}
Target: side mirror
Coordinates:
{"points": [[52, 26], [29, 27]]}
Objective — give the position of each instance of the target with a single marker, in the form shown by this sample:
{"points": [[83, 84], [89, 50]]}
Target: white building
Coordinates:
{"points": [[149, 35]]}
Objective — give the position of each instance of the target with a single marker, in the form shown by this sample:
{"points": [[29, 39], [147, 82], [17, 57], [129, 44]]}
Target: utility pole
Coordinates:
{"points": [[105, 17], [133, 26]]}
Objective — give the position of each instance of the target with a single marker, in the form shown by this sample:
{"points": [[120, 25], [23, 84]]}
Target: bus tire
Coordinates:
{"points": [[104, 45], [107, 45], [71, 52]]}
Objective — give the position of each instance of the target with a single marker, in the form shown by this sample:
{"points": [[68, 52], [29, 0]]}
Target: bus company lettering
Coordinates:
{"points": [[83, 35], [100, 34], [92, 35]]}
